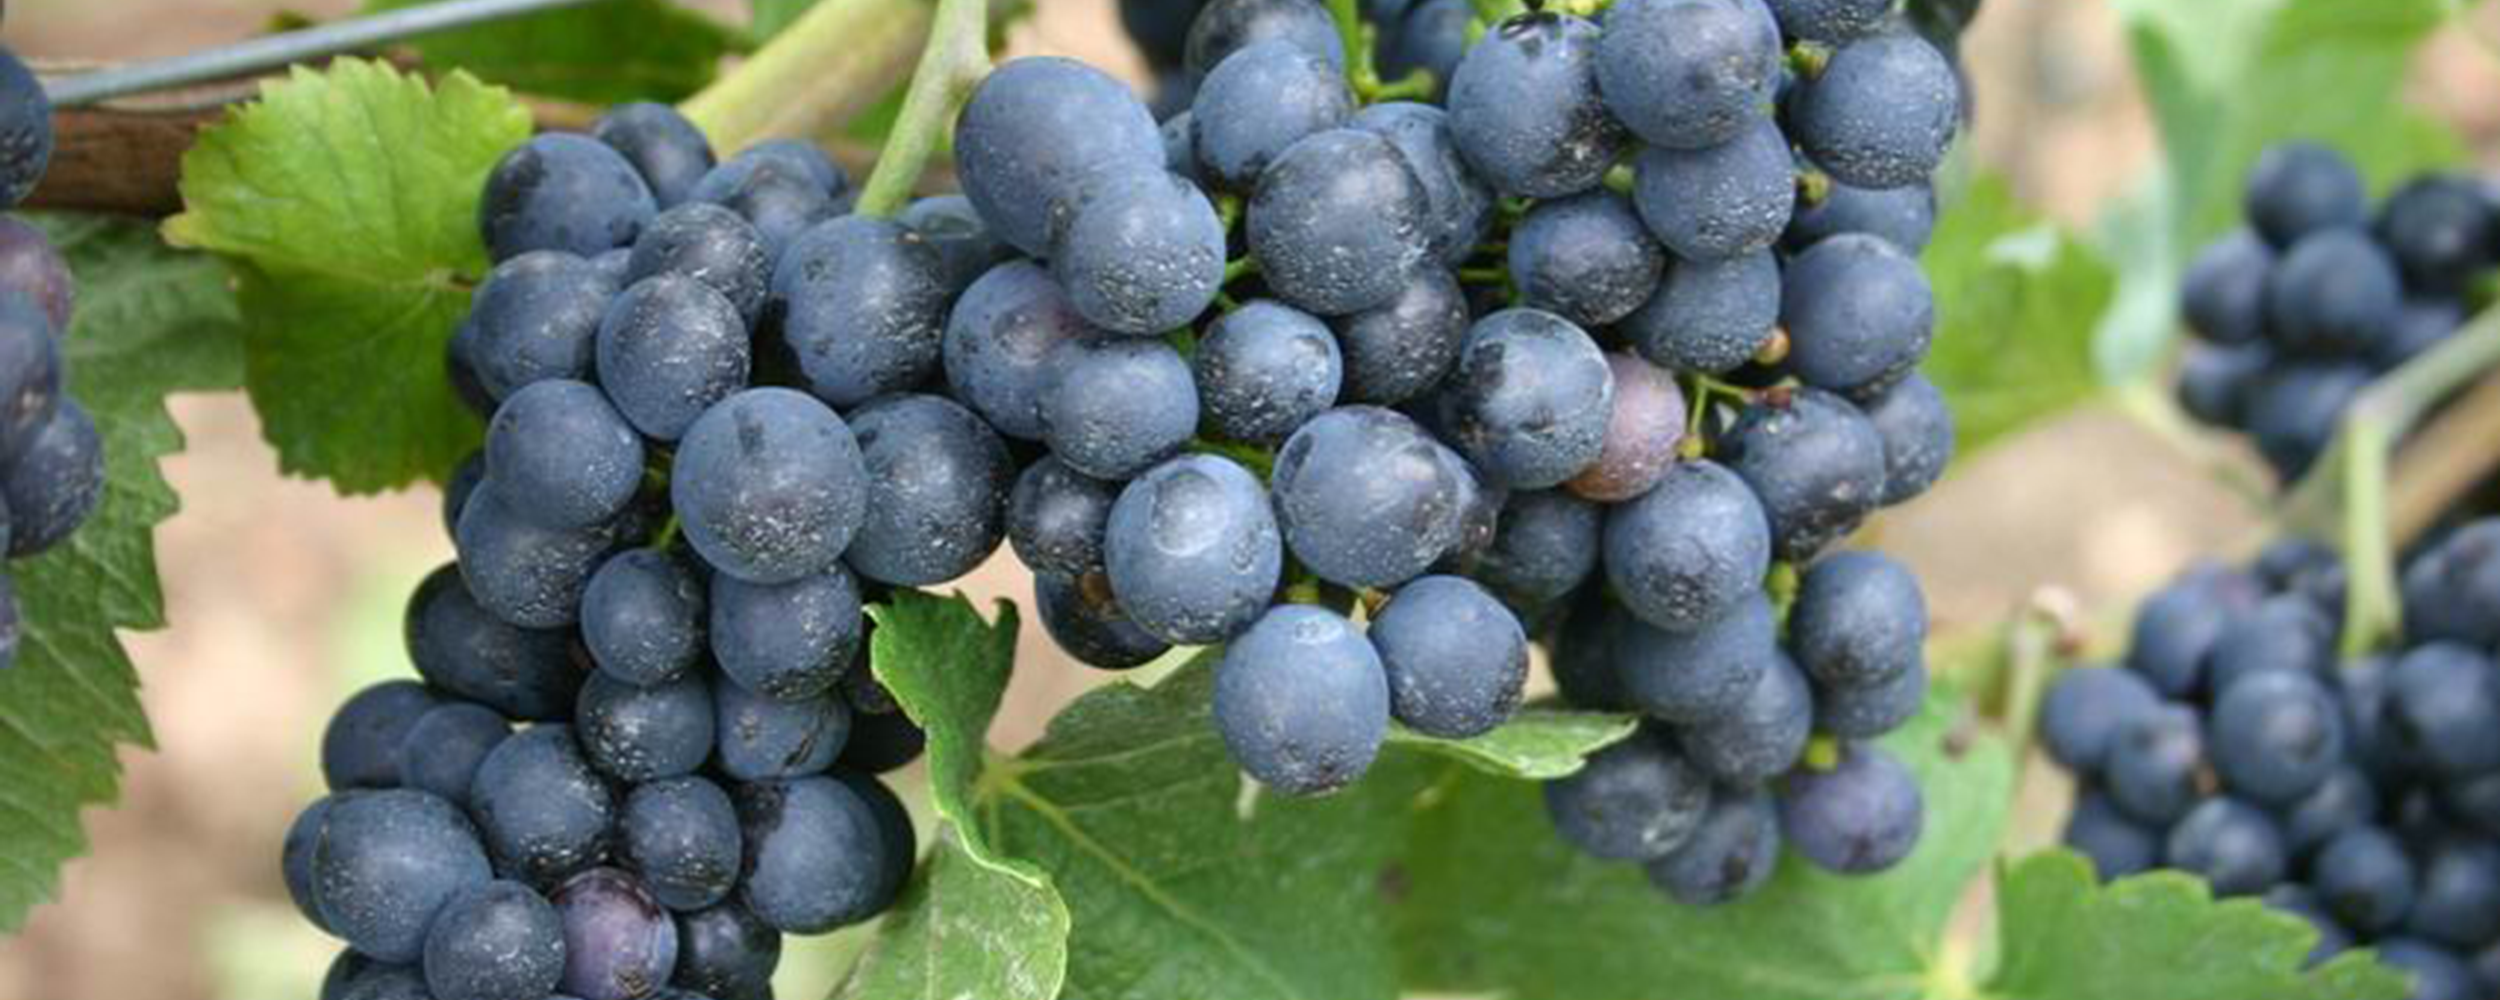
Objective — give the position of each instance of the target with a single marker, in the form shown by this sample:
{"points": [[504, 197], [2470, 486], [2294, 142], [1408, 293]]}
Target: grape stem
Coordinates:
{"points": [[2347, 495], [816, 75], [957, 57]]}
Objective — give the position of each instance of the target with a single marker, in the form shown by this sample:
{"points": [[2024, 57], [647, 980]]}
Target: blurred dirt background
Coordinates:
{"points": [[284, 598]]}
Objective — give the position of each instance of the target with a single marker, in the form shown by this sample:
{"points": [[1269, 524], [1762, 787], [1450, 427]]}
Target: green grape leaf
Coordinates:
{"points": [[1494, 903], [1184, 881], [1539, 743], [347, 199], [149, 322], [603, 53], [2061, 936], [2016, 300], [974, 922], [2227, 78]]}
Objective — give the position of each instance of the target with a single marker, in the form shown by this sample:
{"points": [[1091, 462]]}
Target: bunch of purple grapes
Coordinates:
{"points": [[2296, 311], [51, 457], [2360, 794]]}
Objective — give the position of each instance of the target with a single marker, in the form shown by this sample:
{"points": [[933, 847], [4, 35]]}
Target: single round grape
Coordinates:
{"points": [[710, 244], [2276, 736], [1225, 27], [1831, 22], [2153, 763], [1917, 427], [2177, 626], [562, 191], [937, 490], [809, 159], [1055, 517], [1532, 399], [726, 952], [1192, 550], [1260, 101], [2346, 799], [360, 746], [1859, 314], [2232, 845], [2297, 188], [1545, 544], [1365, 497], [681, 835], [1762, 735], [619, 944], [1458, 207], [30, 373], [1586, 258], [2453, 593], [1301, 700], [999, 338], [1881, 113], [1861, 816], [669, 152], [2421, 324], [1709, 316], [562, 455], [460, 649], [494, 941], [2215, 383], [525, 573], [295, 860], [537, 317], [638, 734], [386, 863], [350, 972], [543, 812], [2443, 704], [787, 641], [770, 486], [2086, 708], [1338, 222], [1265, 369], [779, 193], [54, 482], [861, 305], [1815, 462], [815, 856], [1637, 800], [1684, 553], [2115, 843], [1729, 856], [1401, 349], [1642, 431], [953, 228], [2335, 291], [763, 738], [1139, 250], [1032, 129], [25, 130], [1525, 110], [1113, 407], [32, 267], [1724, 201], [2439, 228], [1457, 660], [1088, 624], [1701, 676], [894, 831], [1859, 619], [1689, 74], [669, 349], [642, 617], [1904, 216], [2367, 878], [444, 747], [2223, 296]]}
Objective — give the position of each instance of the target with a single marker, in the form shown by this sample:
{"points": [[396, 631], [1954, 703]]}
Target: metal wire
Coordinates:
{"points": [[273, 51]]}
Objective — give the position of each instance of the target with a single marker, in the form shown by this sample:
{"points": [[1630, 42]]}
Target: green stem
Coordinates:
{"points": [[1239, 269], [2031, 657], [816, 75], [1416, 86], [956, 59], [667, 534], [1358, 61]]}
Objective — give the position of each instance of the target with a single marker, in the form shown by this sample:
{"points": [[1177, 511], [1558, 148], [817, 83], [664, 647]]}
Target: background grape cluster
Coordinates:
{"points": [[51, 458], [2360, 794], [2298, 310], [1365, 391]]}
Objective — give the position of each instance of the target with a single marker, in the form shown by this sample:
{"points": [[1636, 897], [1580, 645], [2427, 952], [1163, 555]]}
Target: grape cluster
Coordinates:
{"points": [[2296, 311], [1578, 350], [51, 457], [2360, 794], [643, 744]]}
